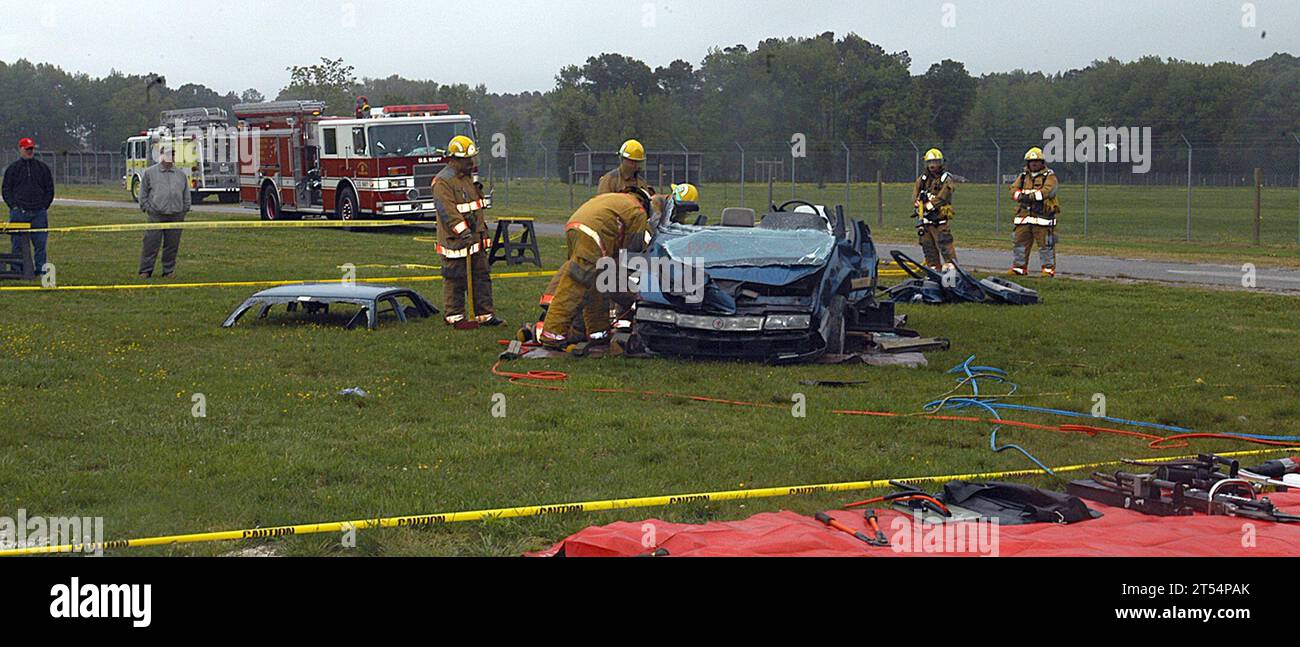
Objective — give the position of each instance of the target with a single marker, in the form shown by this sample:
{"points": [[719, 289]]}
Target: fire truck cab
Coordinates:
{"points": [[344, 168]]}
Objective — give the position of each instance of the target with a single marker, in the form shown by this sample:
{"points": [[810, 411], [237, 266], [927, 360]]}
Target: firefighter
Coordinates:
{"points": [[1036, 208], [463, 239], [362, 107], [628, 172], [932, 197], [659, 205], [600, 228], [680, 193]]}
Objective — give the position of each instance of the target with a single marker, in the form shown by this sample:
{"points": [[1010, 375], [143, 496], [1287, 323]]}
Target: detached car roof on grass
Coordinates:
{"points": [[317, 297]]}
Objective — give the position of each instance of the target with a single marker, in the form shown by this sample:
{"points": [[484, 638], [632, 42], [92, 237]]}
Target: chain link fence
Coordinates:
{"points": [[78, 167], [1187, 192]]}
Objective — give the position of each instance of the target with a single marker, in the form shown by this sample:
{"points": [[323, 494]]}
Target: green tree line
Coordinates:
{"points": [[829, 88]]}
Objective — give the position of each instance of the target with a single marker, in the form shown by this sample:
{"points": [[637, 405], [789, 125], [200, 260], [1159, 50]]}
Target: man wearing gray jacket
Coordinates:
{"points": [[165, 197]]}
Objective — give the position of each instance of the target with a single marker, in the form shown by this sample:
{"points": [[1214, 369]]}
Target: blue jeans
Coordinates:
{"points": [[39, 219]]}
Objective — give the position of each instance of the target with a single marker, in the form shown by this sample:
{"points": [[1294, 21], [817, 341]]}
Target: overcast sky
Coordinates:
{"points": [[511, 45]]}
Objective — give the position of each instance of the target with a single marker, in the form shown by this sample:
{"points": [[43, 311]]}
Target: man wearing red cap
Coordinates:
{"points": [[28, 192]]}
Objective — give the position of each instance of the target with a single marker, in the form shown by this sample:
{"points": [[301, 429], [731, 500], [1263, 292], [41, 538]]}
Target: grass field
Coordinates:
{"points": [[96, 404], [1128, 221]]}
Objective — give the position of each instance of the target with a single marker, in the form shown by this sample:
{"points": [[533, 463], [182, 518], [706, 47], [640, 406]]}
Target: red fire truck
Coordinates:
{"points": [[343, 168]]}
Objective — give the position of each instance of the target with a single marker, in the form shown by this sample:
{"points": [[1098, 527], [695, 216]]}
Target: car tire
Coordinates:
{"points": [[135, 188], [835, 332]]}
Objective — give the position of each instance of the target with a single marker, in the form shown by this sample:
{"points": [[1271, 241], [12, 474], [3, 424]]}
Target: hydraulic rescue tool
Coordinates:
{"points": [[1184, 487]]}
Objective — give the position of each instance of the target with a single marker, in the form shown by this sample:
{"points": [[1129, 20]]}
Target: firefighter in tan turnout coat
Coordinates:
{"points": [[463, 238], [627, 175], [1036, 209], [599, 228], [932, 197]]}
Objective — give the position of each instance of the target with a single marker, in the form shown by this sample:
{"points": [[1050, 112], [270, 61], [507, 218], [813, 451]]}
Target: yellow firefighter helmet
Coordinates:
{"points": [[1034, 153], [686, 193], [462, 146], [933, 155], [633, 150]]}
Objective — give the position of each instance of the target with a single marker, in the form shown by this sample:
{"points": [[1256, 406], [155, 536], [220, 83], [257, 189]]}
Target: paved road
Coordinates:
{"points": [[122, 204], [1104, 267]]}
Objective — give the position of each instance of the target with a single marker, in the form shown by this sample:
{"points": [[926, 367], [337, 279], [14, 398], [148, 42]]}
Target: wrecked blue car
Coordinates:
{"points": [[791, 286]]}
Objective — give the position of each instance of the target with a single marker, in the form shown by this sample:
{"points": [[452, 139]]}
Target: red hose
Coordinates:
{"points": [[530, 378], [544, 376]]}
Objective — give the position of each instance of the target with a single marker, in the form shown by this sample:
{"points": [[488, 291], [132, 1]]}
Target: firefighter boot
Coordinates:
{"points": [[1023, 242], [930, 246], [1047, 251], [484, 310], [944, 241], [454, 284]]}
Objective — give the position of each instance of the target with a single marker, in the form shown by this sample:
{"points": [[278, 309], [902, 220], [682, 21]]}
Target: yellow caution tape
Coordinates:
{"points": [[229, 224], [231, 284], [420, 520], [7, 226], [398, 266]]}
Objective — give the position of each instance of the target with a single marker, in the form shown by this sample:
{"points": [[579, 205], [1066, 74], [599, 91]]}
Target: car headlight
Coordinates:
{"points": [[787, 322], [657, 316]]}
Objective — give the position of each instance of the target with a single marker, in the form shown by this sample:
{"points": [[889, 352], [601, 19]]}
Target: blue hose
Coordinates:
{"points": [[993, 445], [972, 374], [1073, 414]]}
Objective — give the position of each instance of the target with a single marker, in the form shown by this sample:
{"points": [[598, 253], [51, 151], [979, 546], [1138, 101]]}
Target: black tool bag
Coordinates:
{"points": [[1016, 504]]}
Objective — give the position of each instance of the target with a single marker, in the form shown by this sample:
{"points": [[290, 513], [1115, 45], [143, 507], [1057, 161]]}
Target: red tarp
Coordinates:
{"points": [[1118, 532]]}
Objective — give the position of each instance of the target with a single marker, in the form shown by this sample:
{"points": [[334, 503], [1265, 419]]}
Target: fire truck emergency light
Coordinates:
{"points": [[418, 110]]}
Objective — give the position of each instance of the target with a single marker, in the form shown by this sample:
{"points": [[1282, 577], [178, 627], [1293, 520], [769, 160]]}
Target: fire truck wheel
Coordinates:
{"points": [[347, 207], [135, 188], [269, 204]]}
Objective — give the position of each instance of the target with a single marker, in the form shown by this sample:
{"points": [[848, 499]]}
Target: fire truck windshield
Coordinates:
{"points": [[401, 140]]}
